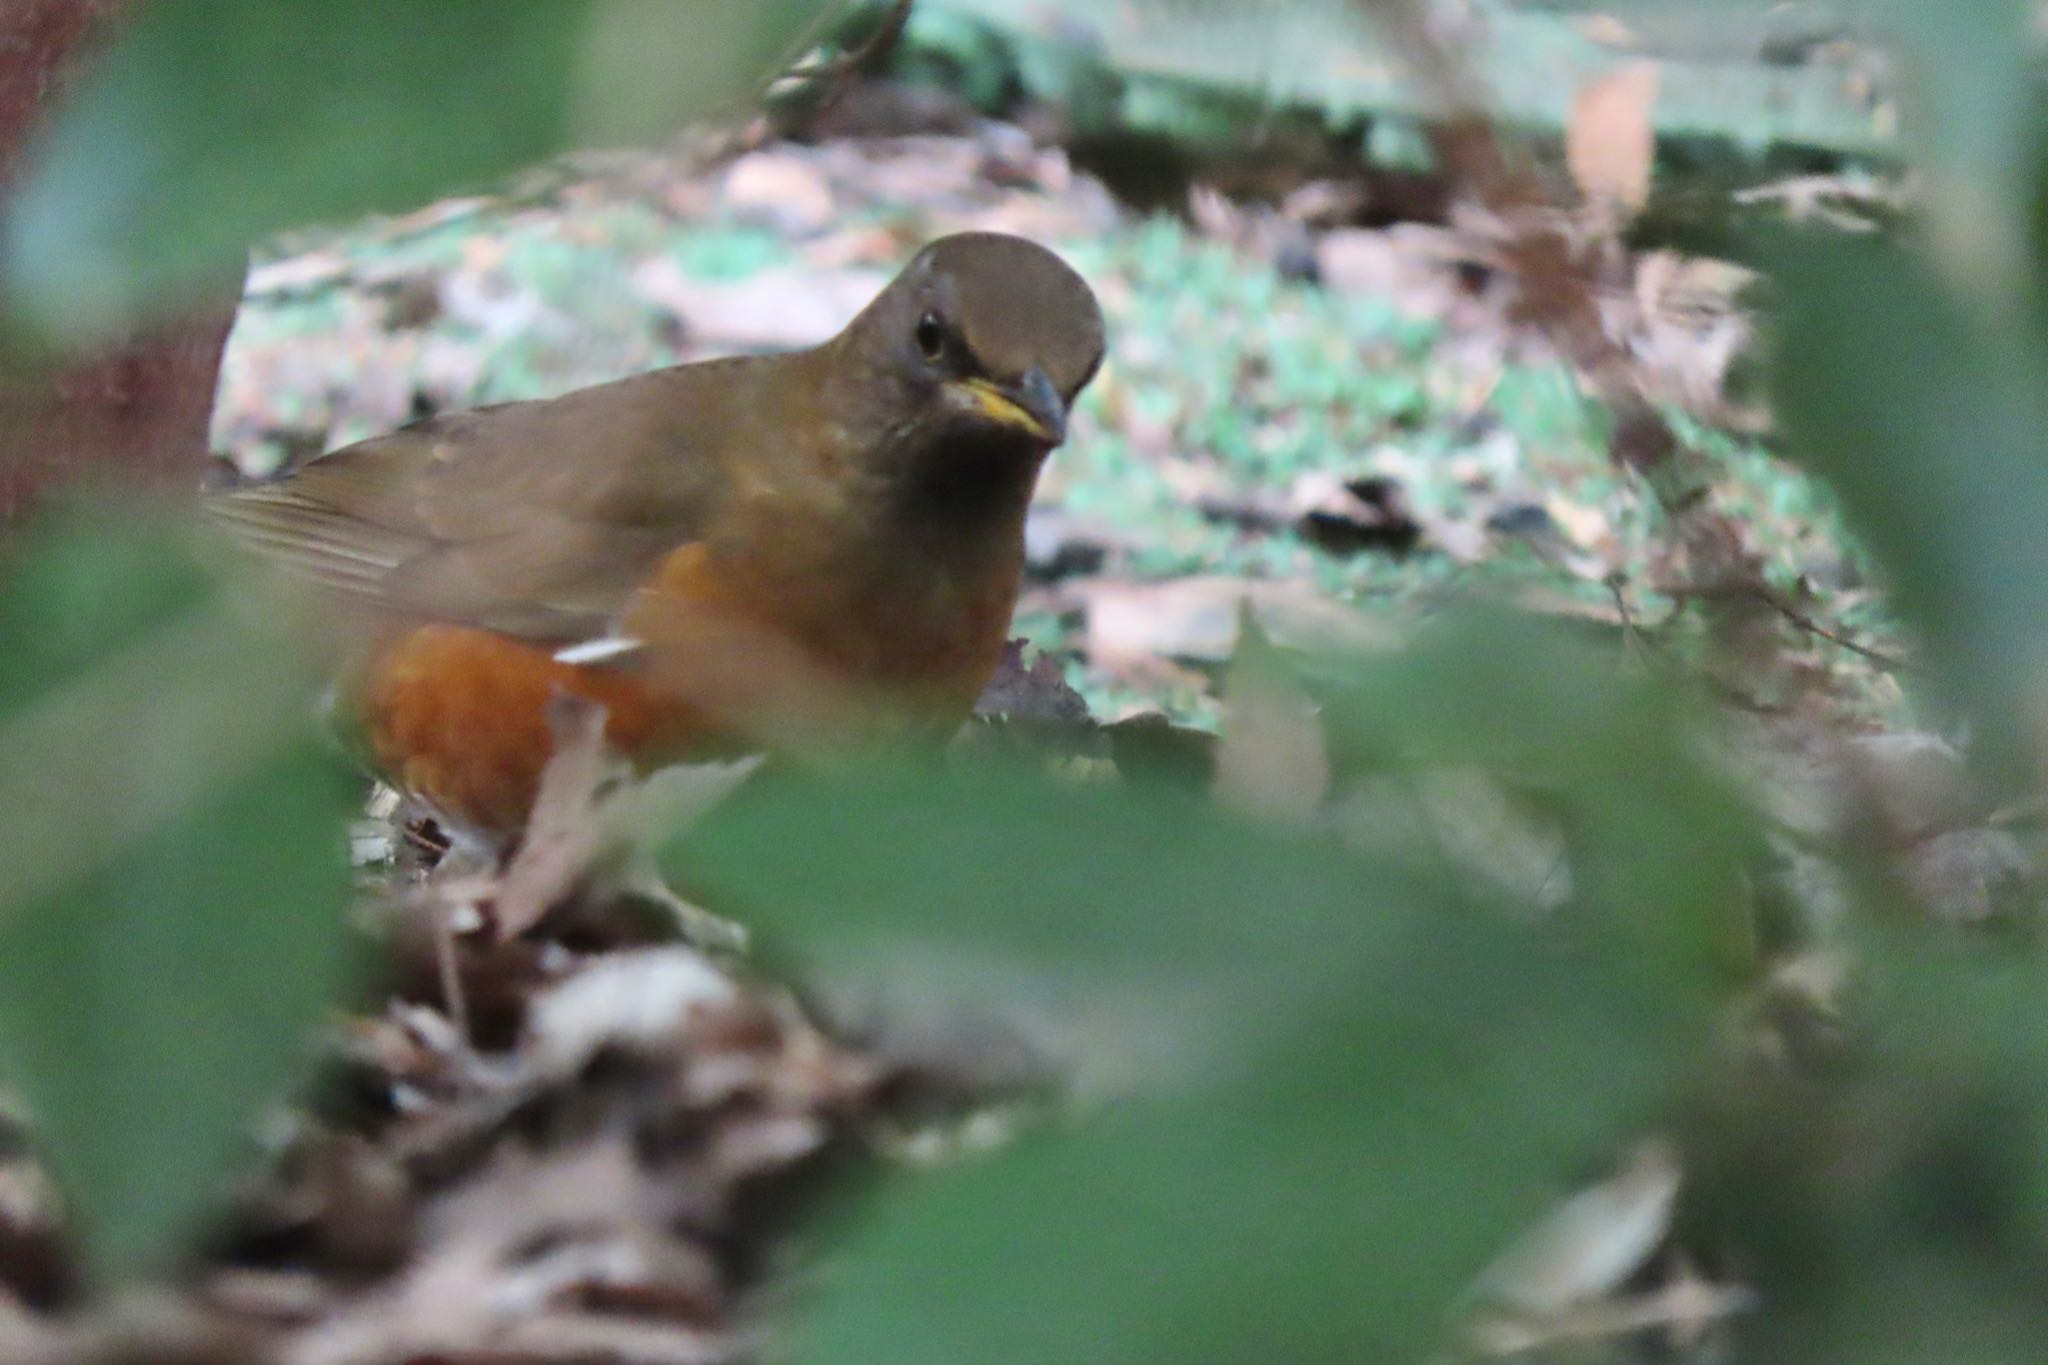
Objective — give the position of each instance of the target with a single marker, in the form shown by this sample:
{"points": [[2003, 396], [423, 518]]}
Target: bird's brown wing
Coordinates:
{"points": [[537, 519]]}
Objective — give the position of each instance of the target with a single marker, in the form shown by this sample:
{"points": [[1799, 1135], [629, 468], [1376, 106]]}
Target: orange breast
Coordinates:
{"points": [[809, 653], [459, 716], [802, 660]]}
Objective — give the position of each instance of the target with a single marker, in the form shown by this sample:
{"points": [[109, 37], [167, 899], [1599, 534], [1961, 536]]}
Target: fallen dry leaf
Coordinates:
{"points": [[1610, 142], [1272, 761], [1196, 619], [593, 815], [1037, 692], [562, 835], [775, 310], [1590, 1244], [783, 189]]}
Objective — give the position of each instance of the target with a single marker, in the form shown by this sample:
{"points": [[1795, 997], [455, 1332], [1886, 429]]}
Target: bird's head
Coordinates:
{"points": [[983, 342]]}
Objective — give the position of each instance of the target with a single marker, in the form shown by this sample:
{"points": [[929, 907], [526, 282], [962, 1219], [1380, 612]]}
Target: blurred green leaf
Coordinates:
{"points": [[1161, 930], [1973, 92], [1620, 754], [1929, 423], [1331, 1208], [1660, 843], [1893, 1209], [1381, 1077], [211, 123], [1158, 929], [171, 871]]}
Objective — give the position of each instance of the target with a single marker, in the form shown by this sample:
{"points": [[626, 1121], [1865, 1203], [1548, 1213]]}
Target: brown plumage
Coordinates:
{"points": [[806, 548]]}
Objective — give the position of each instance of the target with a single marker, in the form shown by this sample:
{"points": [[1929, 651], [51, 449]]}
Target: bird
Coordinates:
{"points": [[809, 549]]}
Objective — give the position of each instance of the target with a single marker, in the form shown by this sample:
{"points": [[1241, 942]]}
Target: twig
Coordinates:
{"points": [[1629, 633], [453, 996], [1815, 196], [1683, 1305], [1800, 619], [1756, 590]]}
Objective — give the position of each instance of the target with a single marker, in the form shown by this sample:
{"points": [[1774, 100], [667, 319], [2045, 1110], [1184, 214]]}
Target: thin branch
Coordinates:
{"points": [[1800, 619], [1745, 589]]}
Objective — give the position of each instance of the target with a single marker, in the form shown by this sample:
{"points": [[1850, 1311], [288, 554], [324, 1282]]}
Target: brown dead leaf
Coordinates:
{"points": [[591, 810], [562, 835], [1685, 321], [1610, 143], [1034, 692], [1196, 618], [775, 310], [1968, 876], [639, 1001], [1421, 269]]}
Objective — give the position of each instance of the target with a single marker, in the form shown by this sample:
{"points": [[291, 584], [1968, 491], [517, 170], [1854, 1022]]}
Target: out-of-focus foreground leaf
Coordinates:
{"points": [[171, 871], [213, 122], [1613, 757], [1367, 1076], [1930, 424], [1326, 1202], [1973, 94], [1895, 1210]]}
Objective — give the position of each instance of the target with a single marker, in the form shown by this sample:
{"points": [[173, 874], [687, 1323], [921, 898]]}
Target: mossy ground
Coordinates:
{"points": [[1234, 390]]}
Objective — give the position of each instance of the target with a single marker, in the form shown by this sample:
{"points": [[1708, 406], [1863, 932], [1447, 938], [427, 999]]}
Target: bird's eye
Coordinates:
{"points": [[931, 336]]}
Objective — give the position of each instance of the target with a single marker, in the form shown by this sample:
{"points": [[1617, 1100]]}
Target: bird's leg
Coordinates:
{"points": [[465, 875]]}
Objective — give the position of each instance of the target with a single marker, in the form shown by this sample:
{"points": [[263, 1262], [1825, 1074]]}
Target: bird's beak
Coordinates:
{"points": [[1031, 406]]}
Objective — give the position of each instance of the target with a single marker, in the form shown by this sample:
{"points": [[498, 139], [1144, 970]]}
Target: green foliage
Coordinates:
{"points": [[1364, 1072], [1914, 379], [1974, 92], [1607, 754], [1901, 1209], [960, 53], [1929, 421], [214, 122], [171, 879], [1895, 1210], [1328, 1204]]}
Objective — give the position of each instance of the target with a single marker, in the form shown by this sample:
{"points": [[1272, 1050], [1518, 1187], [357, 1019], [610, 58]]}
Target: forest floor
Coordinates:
{"points": [[1341, 425]]}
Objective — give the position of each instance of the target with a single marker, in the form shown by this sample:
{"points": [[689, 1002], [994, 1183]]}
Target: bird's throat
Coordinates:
{"points": [[967, 487]]}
